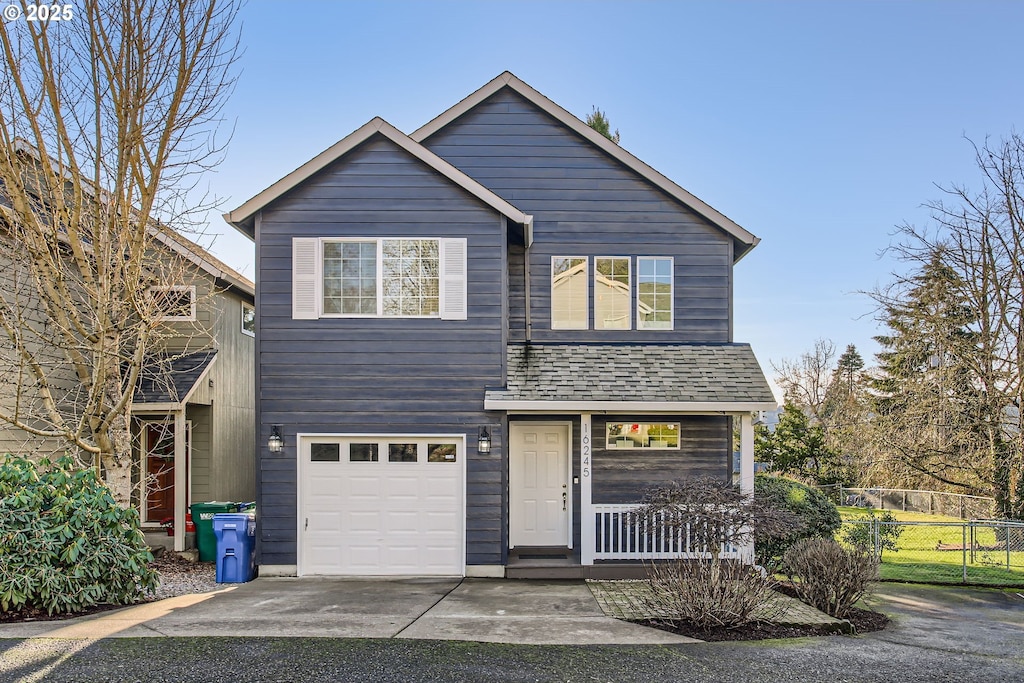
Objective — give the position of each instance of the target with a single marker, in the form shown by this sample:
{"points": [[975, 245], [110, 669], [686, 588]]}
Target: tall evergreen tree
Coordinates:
{"points": [[929, 414]]}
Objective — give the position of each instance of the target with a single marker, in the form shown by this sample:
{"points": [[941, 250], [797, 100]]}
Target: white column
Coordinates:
{"points": [[180, 480], [747, 454], [587, 530]]}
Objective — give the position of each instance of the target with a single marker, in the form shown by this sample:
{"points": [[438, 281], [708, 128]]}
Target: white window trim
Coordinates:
{"points": [[242, 321], [445, 301], [629, 295], [607, 439], [671, 294], [191, 289], [586, 285]]}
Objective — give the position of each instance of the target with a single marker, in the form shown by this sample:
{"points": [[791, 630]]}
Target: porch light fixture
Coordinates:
{"points": [[275, 443], [483, 442]]}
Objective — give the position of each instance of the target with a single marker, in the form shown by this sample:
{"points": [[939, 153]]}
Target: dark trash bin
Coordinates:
{"points": [[236, 546], [202, 517]]}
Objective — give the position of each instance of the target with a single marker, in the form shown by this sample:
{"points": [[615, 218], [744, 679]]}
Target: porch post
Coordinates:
{"points": [[587, 531], [180, 480], [747, 454]]}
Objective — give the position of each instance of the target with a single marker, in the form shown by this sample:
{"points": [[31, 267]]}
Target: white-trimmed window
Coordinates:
{"points": [[646, 436], [654, 293], [392, 277], [173, 303], [569, 293], [612, 293], [248, 319]]}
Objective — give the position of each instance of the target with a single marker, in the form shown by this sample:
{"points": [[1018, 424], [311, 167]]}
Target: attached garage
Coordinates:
{"points": [[381, 505]]}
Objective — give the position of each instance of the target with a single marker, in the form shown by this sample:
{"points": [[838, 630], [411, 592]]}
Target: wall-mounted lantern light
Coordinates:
{"points": [[275, 443], [483, 442]]}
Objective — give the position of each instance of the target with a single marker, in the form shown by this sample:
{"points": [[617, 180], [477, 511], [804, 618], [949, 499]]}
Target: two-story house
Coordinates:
{"points": [[479, 344], [193, 413]]}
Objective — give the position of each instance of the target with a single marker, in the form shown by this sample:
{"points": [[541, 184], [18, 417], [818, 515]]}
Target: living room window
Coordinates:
{"points": [[633, 435]]}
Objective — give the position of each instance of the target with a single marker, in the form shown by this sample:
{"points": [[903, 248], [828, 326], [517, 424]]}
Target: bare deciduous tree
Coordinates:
{"points": [[979, 234], [106, 120], [806, 379]]}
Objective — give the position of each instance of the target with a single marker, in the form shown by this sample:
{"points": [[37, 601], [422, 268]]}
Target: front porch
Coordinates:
{"points": [[670, 414]]}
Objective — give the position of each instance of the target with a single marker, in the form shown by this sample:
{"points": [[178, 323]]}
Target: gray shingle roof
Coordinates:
{"points": [[698, 373], [170, 378]]}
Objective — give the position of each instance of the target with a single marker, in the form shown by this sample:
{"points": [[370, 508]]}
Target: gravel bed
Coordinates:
{"points": [[181, 577]]}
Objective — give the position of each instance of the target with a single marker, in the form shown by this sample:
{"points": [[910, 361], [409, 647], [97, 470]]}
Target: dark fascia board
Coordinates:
{"points": [[744, 240], [243, 218]]}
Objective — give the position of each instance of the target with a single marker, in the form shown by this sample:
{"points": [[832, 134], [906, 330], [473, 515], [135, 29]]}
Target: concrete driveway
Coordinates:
{"points": [[485, 610]]}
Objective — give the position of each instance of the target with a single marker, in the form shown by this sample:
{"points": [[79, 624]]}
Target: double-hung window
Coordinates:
{"points": [[654, 293], [387, 277]]}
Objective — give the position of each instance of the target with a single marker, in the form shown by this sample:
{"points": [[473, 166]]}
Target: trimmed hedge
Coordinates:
{"points": [[817, 514], [65, 545]]}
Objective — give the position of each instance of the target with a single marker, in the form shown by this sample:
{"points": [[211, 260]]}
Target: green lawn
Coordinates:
{"points": [[931, 549]]}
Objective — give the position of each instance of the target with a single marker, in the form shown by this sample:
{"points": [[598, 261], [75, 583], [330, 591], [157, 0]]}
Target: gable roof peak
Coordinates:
{"points": [[243, 218], [743, 240]]}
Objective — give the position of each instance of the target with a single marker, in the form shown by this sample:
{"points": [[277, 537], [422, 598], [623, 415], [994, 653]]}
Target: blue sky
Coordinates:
{"points": [[818, 126]]}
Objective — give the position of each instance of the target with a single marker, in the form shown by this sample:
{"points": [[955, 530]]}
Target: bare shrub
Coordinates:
{"points": [[711, 594], [700, 586], [828, 576]]}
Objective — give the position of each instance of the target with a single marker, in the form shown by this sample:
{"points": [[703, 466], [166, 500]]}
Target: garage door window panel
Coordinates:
{"points": [[363, 452], [325, 452], [402, 452], [442, 452]]}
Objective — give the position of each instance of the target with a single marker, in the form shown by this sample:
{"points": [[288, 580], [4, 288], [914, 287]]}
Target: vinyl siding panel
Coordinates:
{"points": [[585, 203], [379, 375]]}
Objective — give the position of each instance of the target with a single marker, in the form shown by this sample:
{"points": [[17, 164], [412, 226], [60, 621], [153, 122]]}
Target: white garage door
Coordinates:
{"points": [[374, 506]]}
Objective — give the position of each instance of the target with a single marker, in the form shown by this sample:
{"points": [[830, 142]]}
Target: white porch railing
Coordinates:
{"points": [[621, 535]]}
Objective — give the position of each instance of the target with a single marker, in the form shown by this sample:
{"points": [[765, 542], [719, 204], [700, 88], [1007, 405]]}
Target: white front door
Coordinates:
{"points": [[539, 505]]}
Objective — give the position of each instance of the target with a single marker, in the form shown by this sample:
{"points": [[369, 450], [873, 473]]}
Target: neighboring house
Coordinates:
{"points": [[195, 403], [193, 413], [482, 342]]}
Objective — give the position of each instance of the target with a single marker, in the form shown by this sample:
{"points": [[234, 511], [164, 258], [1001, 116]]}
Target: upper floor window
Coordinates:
{"points": [[612, 293], [379, 277], [173, 303], [569, 307], [248, 319], [654, 293]]}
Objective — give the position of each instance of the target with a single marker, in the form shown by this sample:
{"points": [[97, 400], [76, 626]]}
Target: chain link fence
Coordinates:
{"points": [[928, 502], [982, 552]]}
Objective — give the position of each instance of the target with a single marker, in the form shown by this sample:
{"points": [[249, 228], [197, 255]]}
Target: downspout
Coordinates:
{"points": [[528, 241]]}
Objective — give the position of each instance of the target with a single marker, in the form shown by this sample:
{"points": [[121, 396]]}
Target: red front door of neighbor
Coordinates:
{"points": [[159, 442]]}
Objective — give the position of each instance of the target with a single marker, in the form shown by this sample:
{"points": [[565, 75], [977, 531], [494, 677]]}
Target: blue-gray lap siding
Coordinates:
{"points": [[585, 203], [387, 376]]}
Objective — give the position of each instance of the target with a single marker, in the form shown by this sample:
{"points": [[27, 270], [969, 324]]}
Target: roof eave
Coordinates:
{"points": [[675, 407]]}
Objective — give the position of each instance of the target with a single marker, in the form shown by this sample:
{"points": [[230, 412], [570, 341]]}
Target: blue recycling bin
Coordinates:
{"points": [[236, 546]]}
